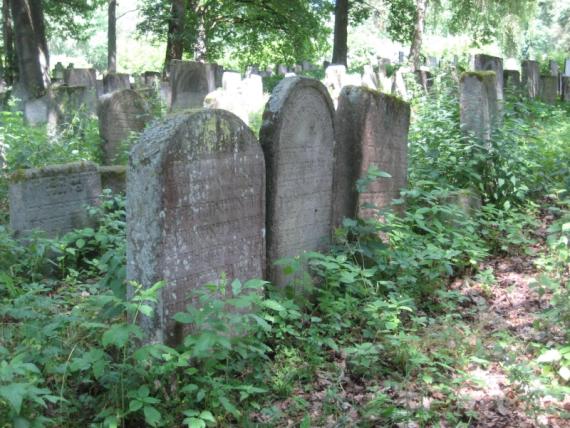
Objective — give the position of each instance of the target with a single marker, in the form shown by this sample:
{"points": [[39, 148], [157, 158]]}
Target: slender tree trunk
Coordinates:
{"points": [[200, 47], [112, 37], [340, 44], [175, 36], [31, 46], [417, 40], [9, 68]]}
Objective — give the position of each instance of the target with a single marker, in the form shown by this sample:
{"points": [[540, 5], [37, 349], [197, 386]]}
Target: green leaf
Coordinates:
{"points": [[207, 416], [194, 423], [135, 405], [229, 407], [272, 304], [14, 394], [80, 243], [118, 334], [236, 287], [151, 415]]}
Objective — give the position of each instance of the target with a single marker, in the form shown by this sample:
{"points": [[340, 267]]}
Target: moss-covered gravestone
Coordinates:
{"points": [[371, 130], [531, 78], [511, 79], [491, 63], [548, 92], [297, 136], [195, 210], [479, 109]]}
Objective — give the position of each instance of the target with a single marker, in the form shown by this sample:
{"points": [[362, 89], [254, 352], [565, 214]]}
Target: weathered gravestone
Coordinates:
{"points": [[566, 88], [531, 78], [40, 111], [71, 101], [297, 136], [195, 210], [54, 198], [191, 82], [120, 113], [491, 63], [371, 130], [479, 110], [335, 79], [114, 177], [567, 67], [511, 79], [58, 72], [151, 78], [116, 81], [548, 92], [370, 78], [80, 77], [554, 68]]}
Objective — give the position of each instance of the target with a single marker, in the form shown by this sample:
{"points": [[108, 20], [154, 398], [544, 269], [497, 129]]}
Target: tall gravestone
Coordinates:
{"points": [[53, 198], [548, 92], [531, 78], [511, 79], [297, 136], [566, 88], [195, 210], [191, 82], [71, 101], [479, 110], [115, 82], [491, 63], [567, 67], [80, 77], [120, 113], [371, 129]]}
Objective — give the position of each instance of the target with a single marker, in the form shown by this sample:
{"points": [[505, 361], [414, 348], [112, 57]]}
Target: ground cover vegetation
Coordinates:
{"points": [[400, 323]]}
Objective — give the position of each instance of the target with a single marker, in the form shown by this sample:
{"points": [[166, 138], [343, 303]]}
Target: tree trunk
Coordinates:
{"points": [[415, 49], [340, 44], [10, 66], [175, 36], [112, 37], [31, 46], [200, 47]]}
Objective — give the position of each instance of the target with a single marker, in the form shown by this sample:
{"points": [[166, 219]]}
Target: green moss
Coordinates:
{"points": [[480, 75]]}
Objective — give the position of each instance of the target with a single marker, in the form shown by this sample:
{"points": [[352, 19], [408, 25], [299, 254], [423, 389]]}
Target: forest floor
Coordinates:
{"points": [[495, 380]]}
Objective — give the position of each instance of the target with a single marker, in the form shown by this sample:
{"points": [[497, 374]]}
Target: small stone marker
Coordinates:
{"points": [[479, 110], [116, 81], [491, 63], [58, 72], [195, 210], [80, 77], [297, 136], [371, 129], [54, 198], [511, 79], [531, 78], [566, 88], [120, 113], [191, 81], [548, 89]]}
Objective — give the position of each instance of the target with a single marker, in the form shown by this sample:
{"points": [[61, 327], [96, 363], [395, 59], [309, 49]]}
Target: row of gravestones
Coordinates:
{"points": [[205, 197]]}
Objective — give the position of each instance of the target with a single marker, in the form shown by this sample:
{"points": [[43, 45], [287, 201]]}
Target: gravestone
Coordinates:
{"points": [[370, 78], [165, 93], [548, 92], [58, 72], [371, 129], [282, 70], [491, 63], [401, 57], [114, 177], [71, 101], [511, 79], [531, 78], [151, 78], [479, 108], [54, 198], [80, 77], [297, 136], [115, 81], [120, 113], [399, 85], [567, 67], [554, 68], [566, 88], [40, 111], [191, 81], [335, 79], [195, 210]]}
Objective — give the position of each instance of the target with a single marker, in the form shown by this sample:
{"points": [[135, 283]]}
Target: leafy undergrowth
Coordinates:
{"points": [[452, 313]]}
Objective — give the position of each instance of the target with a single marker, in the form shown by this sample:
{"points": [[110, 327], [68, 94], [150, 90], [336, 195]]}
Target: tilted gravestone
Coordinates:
{"points": [[531, 78], [491, 63], [116, 81], [548, 92], [297, 136], [191, 82], [511, 79], [120, 113], [371, 129], [80, 77], [370, 78], [195, 210], [479, 110], [566, 88], [53, 198]]}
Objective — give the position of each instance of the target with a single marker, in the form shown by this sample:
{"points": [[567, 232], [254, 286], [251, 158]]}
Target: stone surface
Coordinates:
{"points": [[531, 78], [548, 92], [511, 79], [479, 109], [54, 198], [554, 68], [151, 78], [370, 78], [335, 79], [371, 129], [115, 82], [195, 210], [567, 67], [71, 101], [40, 111], [491, 63], [191, 82], [120, 113], [58, 72], [114, 177], [297, 136], [566, 88], [80, 77]]}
